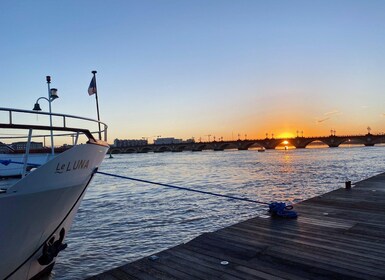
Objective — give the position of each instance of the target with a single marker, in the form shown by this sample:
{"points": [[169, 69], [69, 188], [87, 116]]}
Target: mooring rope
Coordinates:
{"points": [[181, 188], [278, 209]]}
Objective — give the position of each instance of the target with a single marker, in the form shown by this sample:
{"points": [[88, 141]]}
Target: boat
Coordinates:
{"points": [[262, 149], [16, 170], [40, 193]]}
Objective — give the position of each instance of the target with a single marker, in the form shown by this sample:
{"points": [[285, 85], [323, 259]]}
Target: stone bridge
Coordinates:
{"points": [[267, 143]]}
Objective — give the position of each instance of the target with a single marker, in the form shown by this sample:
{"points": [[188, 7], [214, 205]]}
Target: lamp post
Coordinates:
{"points": [[52, 95]]}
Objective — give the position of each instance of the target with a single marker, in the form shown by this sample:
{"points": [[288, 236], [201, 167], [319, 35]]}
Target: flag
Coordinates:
{"points": [[92, 87]]}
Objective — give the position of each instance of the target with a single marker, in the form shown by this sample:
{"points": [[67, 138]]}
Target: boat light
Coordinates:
{"points": [[36, 107], [54, 95]]}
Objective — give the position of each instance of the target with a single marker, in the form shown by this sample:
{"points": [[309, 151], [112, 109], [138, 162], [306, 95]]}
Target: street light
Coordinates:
{"points": [[52, 95]]}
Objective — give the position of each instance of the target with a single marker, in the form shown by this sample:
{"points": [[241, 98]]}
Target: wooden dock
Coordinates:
{"points": [[339, 235]]}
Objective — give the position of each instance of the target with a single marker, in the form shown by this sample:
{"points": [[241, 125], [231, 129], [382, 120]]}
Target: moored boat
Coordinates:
{"points": [[37, 209]]}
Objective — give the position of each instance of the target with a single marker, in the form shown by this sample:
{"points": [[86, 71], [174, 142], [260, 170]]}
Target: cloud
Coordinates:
{"points": [[332, 113], [328, 116], [322, 120]]}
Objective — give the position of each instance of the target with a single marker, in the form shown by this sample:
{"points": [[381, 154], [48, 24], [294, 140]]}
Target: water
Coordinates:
{"points": [[120, 221]]}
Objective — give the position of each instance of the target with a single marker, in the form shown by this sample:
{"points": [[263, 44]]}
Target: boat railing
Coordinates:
{"points": [[34, 125], [24, 119]]}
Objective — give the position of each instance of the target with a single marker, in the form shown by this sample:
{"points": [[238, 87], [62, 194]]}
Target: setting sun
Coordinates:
{"points": [[285, 142], [286, 135]]}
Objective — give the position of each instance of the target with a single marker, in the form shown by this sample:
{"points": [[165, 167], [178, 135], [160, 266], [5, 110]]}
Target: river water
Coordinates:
{"points": [[120, 221]]}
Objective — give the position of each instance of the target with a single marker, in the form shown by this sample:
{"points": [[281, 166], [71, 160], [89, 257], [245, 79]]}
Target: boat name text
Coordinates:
{"points": [[72, 165]]}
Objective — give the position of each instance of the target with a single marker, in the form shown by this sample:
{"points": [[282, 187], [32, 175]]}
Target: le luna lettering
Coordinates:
{"points": [[72, 165]]}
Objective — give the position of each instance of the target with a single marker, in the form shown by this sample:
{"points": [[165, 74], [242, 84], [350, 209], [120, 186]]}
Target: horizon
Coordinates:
{"points": [[213, 138], [191, 69]]}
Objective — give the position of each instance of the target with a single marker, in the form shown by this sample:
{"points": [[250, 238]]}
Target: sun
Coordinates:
{"points": [[286, 135], [285, 142]]}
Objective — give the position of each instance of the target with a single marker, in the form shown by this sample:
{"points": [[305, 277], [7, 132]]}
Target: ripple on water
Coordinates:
{"points": [[120, 221]]}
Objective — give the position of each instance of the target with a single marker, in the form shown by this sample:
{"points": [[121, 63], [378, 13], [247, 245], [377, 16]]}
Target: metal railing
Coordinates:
{"points": [[26, 123], [65, 119]]}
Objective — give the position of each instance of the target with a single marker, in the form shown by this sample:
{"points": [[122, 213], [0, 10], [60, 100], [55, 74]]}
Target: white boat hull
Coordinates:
{"points": [[38, 207]]}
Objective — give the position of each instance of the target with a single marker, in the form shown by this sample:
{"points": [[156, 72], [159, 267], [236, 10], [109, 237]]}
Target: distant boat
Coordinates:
{"points": [[37, 210], [261, 149], [15, 168]]}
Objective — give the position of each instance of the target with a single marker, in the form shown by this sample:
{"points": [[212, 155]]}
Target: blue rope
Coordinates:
{"points": [[278, 209], [8, 161]]}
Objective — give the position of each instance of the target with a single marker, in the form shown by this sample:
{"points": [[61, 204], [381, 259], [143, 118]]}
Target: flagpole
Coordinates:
{"points": [[97, 103]]}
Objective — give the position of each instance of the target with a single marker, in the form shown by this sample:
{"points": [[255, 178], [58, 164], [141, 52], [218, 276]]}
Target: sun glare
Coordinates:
{"points": [[286, 135], [285, 142]]}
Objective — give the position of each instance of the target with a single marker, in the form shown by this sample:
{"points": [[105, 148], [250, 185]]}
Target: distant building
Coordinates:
{"points": [[168, 140], [129, 143], [21, 146], [191, 140]]}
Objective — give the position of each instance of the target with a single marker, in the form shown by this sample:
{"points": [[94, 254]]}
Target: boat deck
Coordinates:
{"points": [[339, 235]]}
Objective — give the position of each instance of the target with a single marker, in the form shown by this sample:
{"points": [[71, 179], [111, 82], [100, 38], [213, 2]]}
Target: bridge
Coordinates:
{"points": [[268, 143]]}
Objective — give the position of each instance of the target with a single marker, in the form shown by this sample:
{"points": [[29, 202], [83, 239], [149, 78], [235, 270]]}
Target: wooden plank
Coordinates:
{"points": [[210, 268], [318, 233], [158, 269], [231, 271], [254, 264], [313, 238]]}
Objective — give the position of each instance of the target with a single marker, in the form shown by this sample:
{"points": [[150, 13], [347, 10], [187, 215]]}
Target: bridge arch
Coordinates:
{"points": [[163, 149], [223, 146], [144, 150], [198, 147], [179, 148], [304, 144], [115, 151], [250, 144], [130, 151]]}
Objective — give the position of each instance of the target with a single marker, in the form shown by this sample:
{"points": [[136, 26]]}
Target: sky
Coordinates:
{"points": [[176, 68]]}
